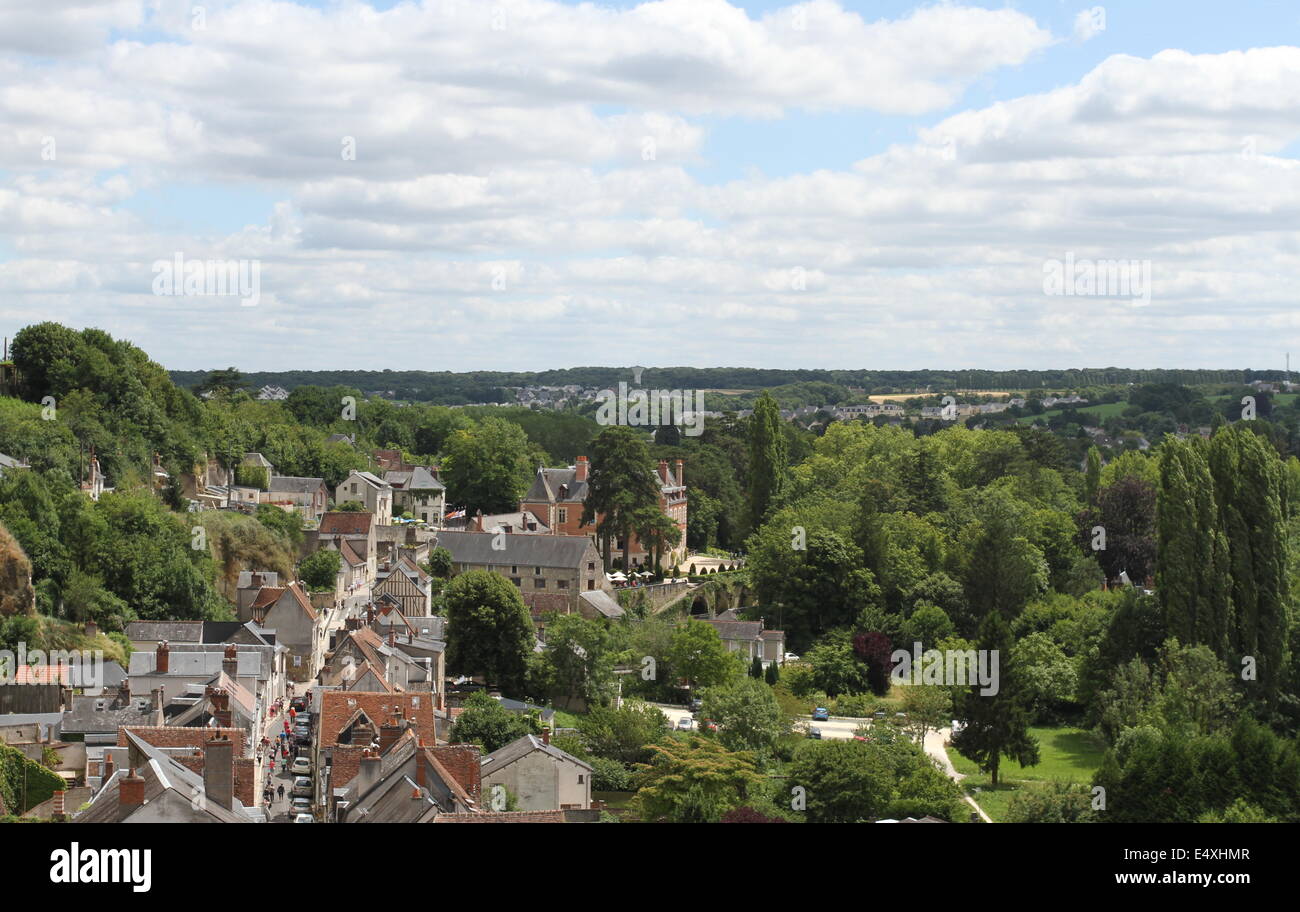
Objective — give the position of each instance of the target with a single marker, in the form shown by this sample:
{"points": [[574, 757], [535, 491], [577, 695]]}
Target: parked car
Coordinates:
{"points": [[710, 725], [684, 724], [815, 734], [696, 705], [301, 805], [790, 657], [298, 703], [878, 714], [302, 787], [304, 818], [821, 714], [301, 766]]}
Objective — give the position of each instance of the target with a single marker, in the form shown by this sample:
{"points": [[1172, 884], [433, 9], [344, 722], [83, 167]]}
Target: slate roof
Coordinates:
{"points": [[604, 603], [84, 716], [546, 486], [521, 747], [161, 774], [567, 551], [293, 484], [171, 631], [416, 479], [396, 798]]}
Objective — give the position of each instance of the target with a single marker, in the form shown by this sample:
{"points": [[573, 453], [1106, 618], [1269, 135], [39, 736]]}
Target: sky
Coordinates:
{"points": [[534, 184]]}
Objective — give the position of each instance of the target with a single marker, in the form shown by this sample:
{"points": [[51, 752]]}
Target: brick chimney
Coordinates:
{"points": [[389, 732], [663, 470], [219, 701], [219, 771], [161, 661], [58, 804], [130, 791], [680, 479], [124, 692], [106, 768], [581, 473], [230, 662], [546, 734]]}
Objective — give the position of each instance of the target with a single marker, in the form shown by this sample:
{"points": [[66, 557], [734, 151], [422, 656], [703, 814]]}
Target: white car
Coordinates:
{"points": [[304, 818], [684, 724], [790, 657], [301, 766]]}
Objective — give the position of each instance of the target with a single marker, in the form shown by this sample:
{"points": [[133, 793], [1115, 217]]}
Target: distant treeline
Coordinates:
{"points": [[450, 388]]}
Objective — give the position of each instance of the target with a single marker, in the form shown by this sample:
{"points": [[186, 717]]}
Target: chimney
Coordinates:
{"points": [[546, 734], [352, 623], [230, 662], [392, 638], [581, 473], [161, 661], [369, 771], [124, 692], [680, 480], [159, 718], [106, 768], [130, 791], [58, 804], [256, 581], [663, 470], [219, 702], [421, 777], [389, 732], [219, 771]]}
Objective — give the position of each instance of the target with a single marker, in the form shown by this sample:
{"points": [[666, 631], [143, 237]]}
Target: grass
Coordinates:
{"points": [[1103, 411], [1066, 754], [565, 719]]}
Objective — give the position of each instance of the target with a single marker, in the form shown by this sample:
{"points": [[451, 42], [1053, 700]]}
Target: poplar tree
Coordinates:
{"points": [[767, 457]]}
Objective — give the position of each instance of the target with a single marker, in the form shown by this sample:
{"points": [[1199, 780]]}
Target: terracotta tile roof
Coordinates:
{"points": [[506, 817], [349, 554], [345, 523]]}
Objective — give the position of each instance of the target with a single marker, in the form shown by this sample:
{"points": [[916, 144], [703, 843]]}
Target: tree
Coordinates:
{"points": [[440, 564], [621, 488], [836, 668], [320, 570], [767, 457], [489, 630], [486, 466], [746, 713], [694, 780], [1002, 569], [485, 722], [626, 734], [843, 781], [698, 655], [1126, 511], [1054, 802], [997, 725], [756, 668], [581, 668], [1092, 475], [284, 522], [928, 708]]}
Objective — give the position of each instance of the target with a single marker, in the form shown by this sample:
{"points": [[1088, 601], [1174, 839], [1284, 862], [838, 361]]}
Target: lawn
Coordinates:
{"points": [[1102, 411], [1068, 754]]}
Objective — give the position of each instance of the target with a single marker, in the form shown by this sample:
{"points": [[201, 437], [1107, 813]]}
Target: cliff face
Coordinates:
{"points": [[16, 593]]}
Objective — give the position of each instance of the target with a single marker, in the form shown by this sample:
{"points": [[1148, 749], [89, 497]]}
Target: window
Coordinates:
{"points": [[297, 661], [591, 584], [539, 583], [591, 566], [564, 515], [579, 778], [514, 570], [559, 584], [537, 571], [517, 581]]}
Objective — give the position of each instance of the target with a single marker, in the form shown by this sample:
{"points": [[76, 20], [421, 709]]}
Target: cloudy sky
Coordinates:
{"points": [[527, 184]]}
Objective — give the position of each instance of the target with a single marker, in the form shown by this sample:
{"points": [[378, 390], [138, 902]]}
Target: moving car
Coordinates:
{"points": [[821, 714]]}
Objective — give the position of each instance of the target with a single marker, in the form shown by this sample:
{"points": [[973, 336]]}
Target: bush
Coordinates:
{"points": [[610, 776], [24, 784], [856, 705]]}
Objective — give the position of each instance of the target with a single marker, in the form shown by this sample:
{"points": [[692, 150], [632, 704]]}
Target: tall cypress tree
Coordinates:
{"points": [[767, 457], [1092, 475]]}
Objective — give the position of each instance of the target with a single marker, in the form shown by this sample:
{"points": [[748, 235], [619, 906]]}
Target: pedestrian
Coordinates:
{"points": [[280, 792]]}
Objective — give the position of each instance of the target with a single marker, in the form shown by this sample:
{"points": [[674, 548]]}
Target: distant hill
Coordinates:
{"points": [[450, 388]]}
